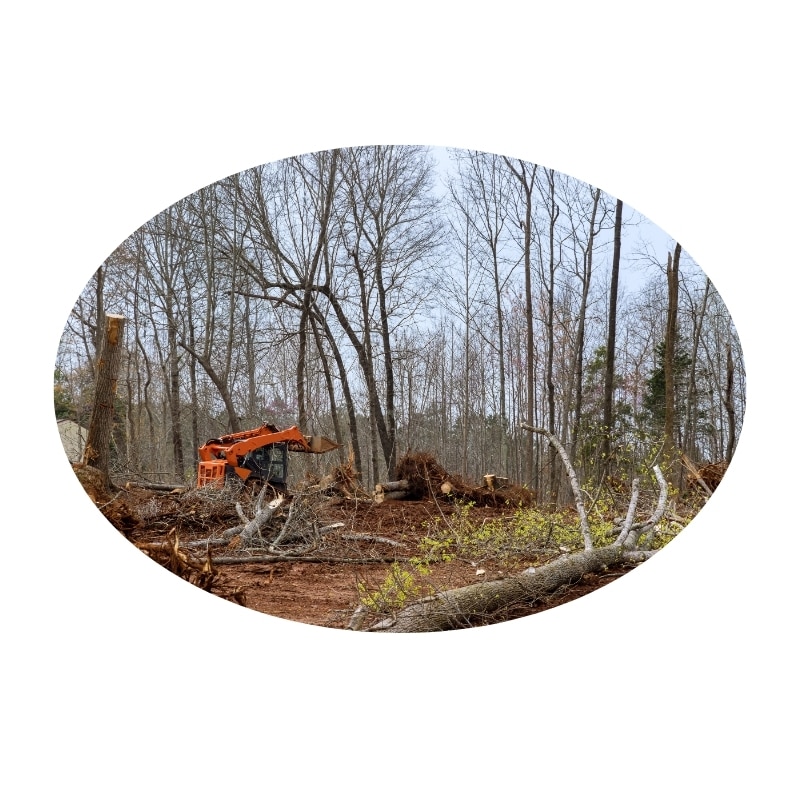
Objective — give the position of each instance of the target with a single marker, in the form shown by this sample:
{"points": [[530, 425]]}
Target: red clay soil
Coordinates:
{"points": [[322, 588]]}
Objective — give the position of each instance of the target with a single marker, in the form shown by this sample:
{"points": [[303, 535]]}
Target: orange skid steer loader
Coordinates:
{"points": [[255, 457]]}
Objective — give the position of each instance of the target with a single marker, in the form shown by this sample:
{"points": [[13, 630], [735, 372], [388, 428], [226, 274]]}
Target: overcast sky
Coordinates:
{"points": [[685, 668]]}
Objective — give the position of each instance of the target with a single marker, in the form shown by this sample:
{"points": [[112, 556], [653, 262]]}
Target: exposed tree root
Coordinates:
{"points": [[198, 572]]}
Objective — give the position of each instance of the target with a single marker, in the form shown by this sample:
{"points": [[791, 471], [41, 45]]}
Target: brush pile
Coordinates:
{"points": [[199, 571], [112, 505], [705, 477], [420, 477]]}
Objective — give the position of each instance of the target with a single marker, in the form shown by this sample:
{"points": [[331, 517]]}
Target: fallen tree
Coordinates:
{"points": [[477, 603], [473, 605]]}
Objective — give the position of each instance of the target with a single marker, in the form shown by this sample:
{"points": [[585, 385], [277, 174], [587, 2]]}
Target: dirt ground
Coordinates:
{"points": [[322, 586], [327, 594]]}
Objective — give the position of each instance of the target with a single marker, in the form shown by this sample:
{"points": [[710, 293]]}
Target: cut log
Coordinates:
{"points": [[473, 605], [380, 497], [157, 487], [391, 486]]}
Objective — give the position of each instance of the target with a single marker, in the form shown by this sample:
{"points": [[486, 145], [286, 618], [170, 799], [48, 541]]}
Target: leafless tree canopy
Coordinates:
{"points": [[400, 299]]}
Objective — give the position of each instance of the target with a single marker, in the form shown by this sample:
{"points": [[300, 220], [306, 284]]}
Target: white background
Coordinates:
{"points": [[119, 680]]}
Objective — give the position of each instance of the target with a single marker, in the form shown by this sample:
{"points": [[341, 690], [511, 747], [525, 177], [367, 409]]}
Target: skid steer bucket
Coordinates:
{"points": [[320, 444]]}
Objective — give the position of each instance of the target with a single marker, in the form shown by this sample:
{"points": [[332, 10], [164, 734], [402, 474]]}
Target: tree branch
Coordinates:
{"points": [[573, 479]]}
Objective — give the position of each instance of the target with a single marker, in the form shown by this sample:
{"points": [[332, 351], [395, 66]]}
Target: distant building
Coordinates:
{"points": [[73, 439]]}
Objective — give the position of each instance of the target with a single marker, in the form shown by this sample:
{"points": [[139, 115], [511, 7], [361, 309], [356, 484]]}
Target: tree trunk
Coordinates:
{"points": [[611, 345], [729, 403], [551, 343], [670, 346], [234, 422], [345, 383], [580, 337], [526, 184], [690, 441], [98, 440], [474, 605]]}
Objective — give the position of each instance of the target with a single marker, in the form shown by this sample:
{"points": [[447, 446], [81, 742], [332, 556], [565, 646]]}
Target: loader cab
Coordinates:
{"points": [[269, 464]]}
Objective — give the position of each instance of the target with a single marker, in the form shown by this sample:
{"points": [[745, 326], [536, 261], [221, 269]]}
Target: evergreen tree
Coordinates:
{"points": [[654, 400]]}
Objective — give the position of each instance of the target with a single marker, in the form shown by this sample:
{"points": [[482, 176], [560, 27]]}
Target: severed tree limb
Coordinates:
{"points": [[649, 525], [332, 527], [240, 513], [366, 537], [287, 531], [156, 487], [346, 537], [209, 542], [626, 527], [696, 475], [573, 479], [266, 558], [253, 527]]}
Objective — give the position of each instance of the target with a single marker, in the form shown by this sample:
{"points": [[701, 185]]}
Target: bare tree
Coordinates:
{"points": [[98, 440], [670, 338], [611, 346], [391, 223], [525, 176]]}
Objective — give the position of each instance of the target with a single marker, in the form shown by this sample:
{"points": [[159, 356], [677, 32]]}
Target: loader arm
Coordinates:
{"points": [[229, 453]]}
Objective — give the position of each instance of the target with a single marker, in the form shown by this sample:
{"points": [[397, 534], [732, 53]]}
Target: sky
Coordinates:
{"points": [[641, 234]]}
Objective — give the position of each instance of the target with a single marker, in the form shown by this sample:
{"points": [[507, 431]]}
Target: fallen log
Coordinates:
{"points": [[381, 496], [264, 558], [481, 603], [391, 486], [366, 537], [156, 487], [473, 605]]}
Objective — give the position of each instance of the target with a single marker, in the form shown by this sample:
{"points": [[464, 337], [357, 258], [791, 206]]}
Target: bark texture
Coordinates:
{"points": [[470, 606], [98, 440]]}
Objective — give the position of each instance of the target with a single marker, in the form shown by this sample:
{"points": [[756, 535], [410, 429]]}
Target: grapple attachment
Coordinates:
{"points": [[320, 444]]}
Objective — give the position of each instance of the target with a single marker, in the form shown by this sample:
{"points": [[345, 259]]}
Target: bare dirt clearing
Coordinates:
{"points": [[364, 543]]}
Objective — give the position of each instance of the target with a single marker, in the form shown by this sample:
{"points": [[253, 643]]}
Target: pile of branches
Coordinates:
{"points": [[274, 528], [200, 572], [704, 478], [111, 505]]}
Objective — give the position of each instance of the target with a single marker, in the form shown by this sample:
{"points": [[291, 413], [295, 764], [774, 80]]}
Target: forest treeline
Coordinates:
{"points": [[398, 304]]}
